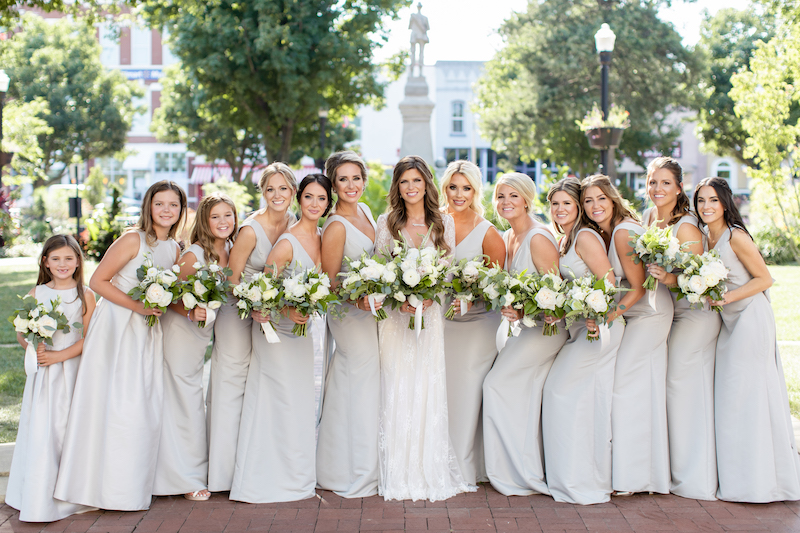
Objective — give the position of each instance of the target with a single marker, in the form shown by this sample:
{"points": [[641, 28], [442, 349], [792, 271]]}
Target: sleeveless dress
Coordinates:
{"points": [[43, 422], [512, 397], [576, 405], [276, 451], [416, 458], [469, 350], [640, 449], [182, 465], [692, 347], [756, 451], [347, 447], [230, 359], [112, 439]]}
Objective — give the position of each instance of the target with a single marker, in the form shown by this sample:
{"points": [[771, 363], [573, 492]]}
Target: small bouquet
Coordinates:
{"points": [[500, 289], [158, 287], [371, 277], [38, 324], [207, 288], [703, 275], [309, 292], [465, 284], [657, 246], [549, 300], [263, 293], [590, 297]]}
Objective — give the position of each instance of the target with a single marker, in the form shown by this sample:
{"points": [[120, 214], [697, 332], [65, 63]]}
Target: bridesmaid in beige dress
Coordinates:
{"points": [[347, 446], [512, 391], [692, 346], [230, 358], [640, 449], [469, 345], [756, 452]]}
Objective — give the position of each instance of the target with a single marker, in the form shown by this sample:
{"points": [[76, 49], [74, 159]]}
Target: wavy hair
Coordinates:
{"points": [[473, 174], [572, 186], [45, 276], [201, 230], [621, 208], [145, 223], [732, 217], [683, 206]]}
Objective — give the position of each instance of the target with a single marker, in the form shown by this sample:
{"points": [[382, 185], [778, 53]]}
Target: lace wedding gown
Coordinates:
{"points": [[416, 458]]}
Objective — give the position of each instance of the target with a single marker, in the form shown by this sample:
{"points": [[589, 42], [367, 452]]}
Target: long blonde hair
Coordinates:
{"points": [[572, 186], [473, 174], [145, 223], [45, 276], [621, 208], [201, 230]]}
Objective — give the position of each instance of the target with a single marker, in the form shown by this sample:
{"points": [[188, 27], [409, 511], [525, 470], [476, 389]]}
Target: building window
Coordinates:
{"points": [[174, 162], [141, 46], [723, 170], [458, 118], [454, 154]]}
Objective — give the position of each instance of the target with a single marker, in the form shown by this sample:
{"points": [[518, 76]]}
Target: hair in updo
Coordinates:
{"points": [[277, 168], [320, 179]]}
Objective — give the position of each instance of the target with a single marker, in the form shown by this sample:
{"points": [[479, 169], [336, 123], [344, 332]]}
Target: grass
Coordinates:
{"points": [[12, 384], [785, 302]]}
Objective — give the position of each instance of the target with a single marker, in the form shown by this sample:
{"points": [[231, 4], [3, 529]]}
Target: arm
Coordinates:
{"points": [[118, 255], [686, 233], [633, 273], [545, 255], [593, 253], [46, 358], [333, 240], [494, 247], [242, 248], [747, 252]]}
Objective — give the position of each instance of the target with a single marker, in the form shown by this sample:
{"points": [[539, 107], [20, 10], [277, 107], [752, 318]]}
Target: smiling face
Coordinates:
{"points": [[598, 206], [313, 201], [663, 188], [563, 209], [509, 203], [412, 186], [165, 208], [221, 221], [460, 193], [62, 263], [709, 206], [349, 184], [278, 193]]}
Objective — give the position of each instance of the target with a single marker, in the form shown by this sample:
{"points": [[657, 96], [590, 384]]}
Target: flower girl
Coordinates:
{"points": [[112, 437], [48, 390]]}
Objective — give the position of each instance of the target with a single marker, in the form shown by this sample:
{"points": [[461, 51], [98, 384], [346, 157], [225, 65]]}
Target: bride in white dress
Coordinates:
{"points": [[416, 458]]}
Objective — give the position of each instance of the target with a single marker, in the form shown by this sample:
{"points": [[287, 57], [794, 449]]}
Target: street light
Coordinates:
{"points": [[604, 41], [4, 79], [323, 119]]}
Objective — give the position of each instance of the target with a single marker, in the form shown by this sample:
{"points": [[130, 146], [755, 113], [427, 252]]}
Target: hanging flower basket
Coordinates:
{"points": [[604, 138]]}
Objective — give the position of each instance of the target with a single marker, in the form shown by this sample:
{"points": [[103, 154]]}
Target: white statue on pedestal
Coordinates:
{"points": [[419, 36]]}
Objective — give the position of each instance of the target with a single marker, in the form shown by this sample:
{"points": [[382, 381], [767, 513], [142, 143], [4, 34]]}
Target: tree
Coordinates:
{"points": [[548, 76], [22, 126], [89, 108]]}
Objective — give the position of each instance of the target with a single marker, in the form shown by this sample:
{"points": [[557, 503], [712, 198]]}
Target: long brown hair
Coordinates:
{"points": [[54, 243], [683, 206], [145, 223], [572, 186], [732, 217], [621, 208], [201, 230], [396, 216]]}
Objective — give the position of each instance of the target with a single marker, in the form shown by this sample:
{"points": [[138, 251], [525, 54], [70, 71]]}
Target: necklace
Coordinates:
{"points": [[418, 225]]}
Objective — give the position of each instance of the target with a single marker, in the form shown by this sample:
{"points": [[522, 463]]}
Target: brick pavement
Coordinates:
{"points": [[483, 511]]}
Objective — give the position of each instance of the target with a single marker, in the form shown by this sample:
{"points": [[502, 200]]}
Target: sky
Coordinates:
{"points": [[467, 29]]}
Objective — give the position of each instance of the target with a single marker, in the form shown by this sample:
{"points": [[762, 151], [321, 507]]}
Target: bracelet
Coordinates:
{"points": [[189, 316]]}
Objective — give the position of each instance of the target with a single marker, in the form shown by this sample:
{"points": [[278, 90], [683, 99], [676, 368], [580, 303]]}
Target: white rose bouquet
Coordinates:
{"points": [[207, 288], [464, 285], [158, 287], [590, 297], [703, 276], [263, 293], [308, 291], [372, 277], [500, 289], [660, 247], [37, 324], [549, 299]]}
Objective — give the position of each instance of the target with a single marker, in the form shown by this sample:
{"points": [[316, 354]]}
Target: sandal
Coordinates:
{"points": [[198, 496]]}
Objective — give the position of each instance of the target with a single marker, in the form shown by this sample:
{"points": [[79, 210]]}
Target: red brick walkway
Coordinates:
{"points": [[485, 510]]}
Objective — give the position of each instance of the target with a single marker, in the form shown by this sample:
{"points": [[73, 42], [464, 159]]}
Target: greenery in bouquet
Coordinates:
{"points": [[263, 293], [207, 287], [549, 299], [591, 297], [703, 277], [464, 285], [157, 288], [309, 292], [657, 246], [37, 323], [370, 277], [503, 289]]}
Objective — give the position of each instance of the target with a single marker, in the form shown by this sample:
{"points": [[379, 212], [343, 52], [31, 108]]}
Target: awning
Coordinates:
{"points": [[208, 173]]}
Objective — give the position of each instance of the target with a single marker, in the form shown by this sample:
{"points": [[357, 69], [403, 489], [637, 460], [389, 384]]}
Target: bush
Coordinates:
{"points": [[377, 188], [774, 245], [236, 191]]}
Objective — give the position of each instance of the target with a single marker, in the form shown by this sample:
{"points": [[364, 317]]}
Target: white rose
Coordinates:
{"points": [[397, 250], [269, 294], [673, 248], [597, 301], [299, 290], [253, 294], [470, 272], [176, 269], [241, 304], [44, 323], [399, 296], [169, 277], [189, 301], [528, 321], [152, 272], [166, 299], [697, 284], [683, 282], [21, 324], [370, 273], [413, 254], [355, 264], [508, 298], [711, 274], [491, 291], [693, 298], [155, 293], [546, 298], [411, 278], [351, 279], [199, 288], [320, 293], [388, 276], [214, 305], [408, 265], [34, 313], [197, 265], [213, 267]]}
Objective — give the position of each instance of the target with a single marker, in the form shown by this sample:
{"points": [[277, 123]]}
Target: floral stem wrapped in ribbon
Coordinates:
{"points": [[207, 288], [264, 294], [703, 276], [158, 287], [464, 285], [591, 297], [657, 246], [309, 292], [370, 277]]}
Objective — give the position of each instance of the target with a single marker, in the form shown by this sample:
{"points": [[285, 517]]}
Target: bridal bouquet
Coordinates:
{"points": [[309, 292], [38, 324], [590, 297], [500, 289], [371, 277], [549, 299], [420, 276], [263, 293], [206, 288], [658, 246], [465, 284], [703, 276], [158, 287]]}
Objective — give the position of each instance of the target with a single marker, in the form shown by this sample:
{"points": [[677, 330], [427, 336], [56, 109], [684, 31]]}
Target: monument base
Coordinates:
{"points": [[416, 109]]}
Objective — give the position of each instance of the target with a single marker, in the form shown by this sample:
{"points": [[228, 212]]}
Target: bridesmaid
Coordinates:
{"points": [[576, 403], [756, 451], [347, 450], [230, 358], [512, 391], [692, 346], [469, 345], [276, 451], [182, 466], [640, 452]]}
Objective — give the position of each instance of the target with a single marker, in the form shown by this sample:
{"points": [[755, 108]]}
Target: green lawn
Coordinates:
{"points": [[12, 384]]}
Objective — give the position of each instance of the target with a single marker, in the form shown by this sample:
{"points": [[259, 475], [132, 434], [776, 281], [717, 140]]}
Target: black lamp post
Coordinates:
{"points": [[4, 79], [604, 41]]}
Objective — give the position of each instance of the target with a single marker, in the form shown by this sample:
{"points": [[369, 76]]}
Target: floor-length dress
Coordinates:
{"points": [[347, 446], [275, 458], [416, 458], [640, 448], [512, 397], [692, 347], [111, 444], [230, 359], [470, 350], [576, 405], [43, 422], [756, 452], [182, 465]]}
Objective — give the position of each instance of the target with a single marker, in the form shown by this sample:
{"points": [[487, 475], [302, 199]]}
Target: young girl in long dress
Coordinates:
{"points": [[469, 346], [640, 450], [347, 447], [417, 461], [230, 358], [48, 392], [112, 438], [692, 346], [512, 391], [182, 466], [576, 403], [757, 456], [275, 459]]}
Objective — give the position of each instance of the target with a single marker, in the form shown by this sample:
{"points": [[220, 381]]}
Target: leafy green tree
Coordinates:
{"points": [[548, 76], [236, 191], [22, 126], [95, 186]]}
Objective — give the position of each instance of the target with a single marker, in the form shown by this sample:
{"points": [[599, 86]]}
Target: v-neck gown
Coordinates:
{"points": [[347, 447], [275, 458], [469, 350], [512, 397]]}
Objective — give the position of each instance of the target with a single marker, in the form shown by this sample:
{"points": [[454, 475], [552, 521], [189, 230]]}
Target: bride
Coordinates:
{"points": [[416, 458]]}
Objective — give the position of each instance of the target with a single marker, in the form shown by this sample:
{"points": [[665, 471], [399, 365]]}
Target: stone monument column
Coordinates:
{"points": [[416, 107]]}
